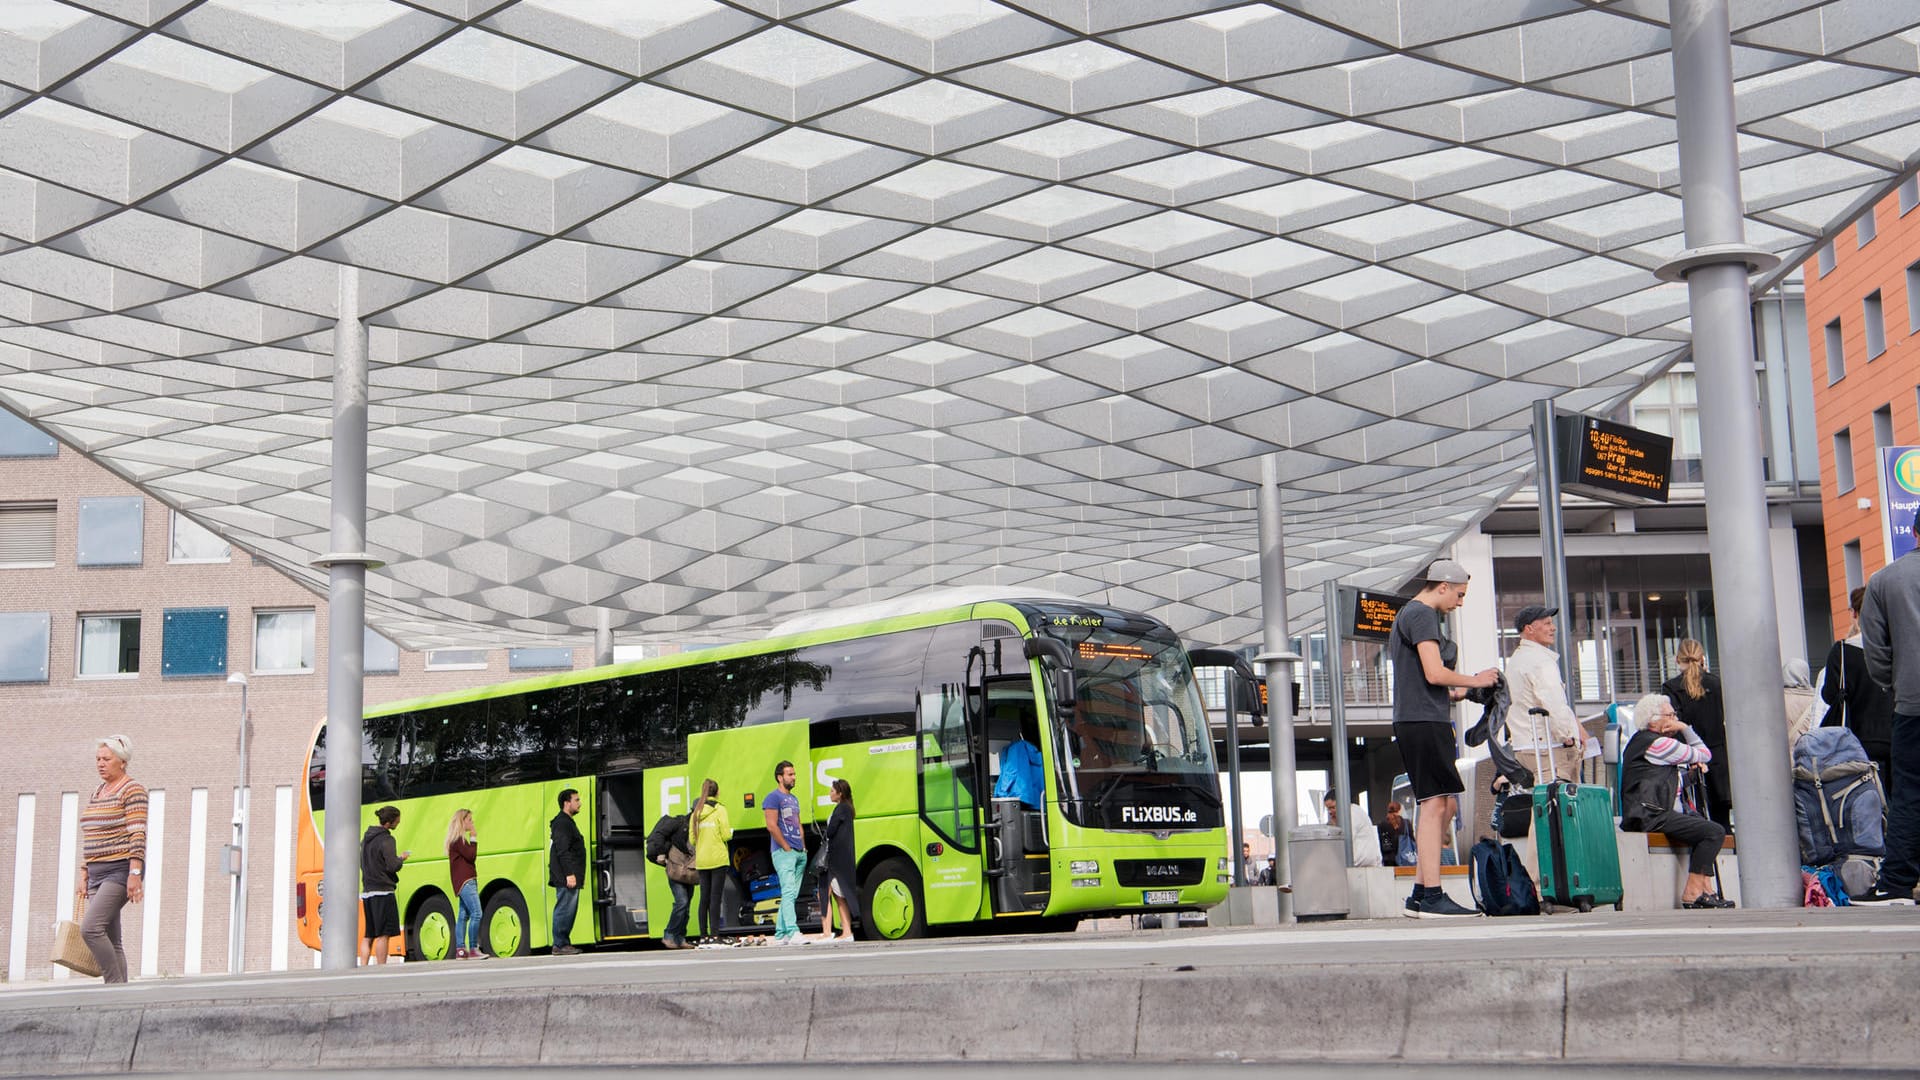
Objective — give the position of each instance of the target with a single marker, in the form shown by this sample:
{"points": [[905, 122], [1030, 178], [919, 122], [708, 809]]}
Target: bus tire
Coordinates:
{"points": [[892, 905], [504, 929], [430, 931]]}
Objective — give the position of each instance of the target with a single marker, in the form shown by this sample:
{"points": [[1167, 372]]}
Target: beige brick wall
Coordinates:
{"points": [[184, 731]]}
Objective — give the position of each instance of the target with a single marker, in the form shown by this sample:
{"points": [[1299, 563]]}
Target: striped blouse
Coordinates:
{"points": [[113, 827]]}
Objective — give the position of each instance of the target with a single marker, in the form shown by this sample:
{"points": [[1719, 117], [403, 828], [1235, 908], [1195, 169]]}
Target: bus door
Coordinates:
{"points": [[1018, 863], [620, 857]]}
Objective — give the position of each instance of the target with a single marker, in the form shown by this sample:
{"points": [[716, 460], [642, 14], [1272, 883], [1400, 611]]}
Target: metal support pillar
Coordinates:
{"points": [[603, 639], [1233, 777], [1553, 537], [1279, 662], [1337, 701], [346, 564], [1715, 269]]}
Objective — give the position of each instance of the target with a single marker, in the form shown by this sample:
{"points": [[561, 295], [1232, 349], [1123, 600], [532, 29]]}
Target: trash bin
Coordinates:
{"points": [[1318, 856]]}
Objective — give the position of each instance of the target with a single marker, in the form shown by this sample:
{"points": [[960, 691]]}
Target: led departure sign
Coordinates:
{"points": [[1609, 460], [1373, 615], [1107, 650]]}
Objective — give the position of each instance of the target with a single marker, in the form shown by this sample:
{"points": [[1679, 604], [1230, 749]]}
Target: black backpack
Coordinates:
{"points": [[1501, 884]]}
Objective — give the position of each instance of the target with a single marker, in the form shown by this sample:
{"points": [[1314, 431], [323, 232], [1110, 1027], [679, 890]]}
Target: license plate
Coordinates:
{"points": [[1162, 896]]}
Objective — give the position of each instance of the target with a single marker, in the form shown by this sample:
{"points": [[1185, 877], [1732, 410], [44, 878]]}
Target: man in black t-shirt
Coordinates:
{"points": [[1424, 688]]}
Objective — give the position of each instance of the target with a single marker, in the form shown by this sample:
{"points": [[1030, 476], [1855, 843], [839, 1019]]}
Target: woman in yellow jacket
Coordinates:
{"points": [[711, 829]]}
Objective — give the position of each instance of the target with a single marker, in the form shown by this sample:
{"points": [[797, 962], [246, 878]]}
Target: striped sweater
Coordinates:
{"points": [[113, 827]]}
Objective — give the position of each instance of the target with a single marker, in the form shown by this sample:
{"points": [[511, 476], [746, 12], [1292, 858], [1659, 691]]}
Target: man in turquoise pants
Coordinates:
{"points": [[789, 851]]}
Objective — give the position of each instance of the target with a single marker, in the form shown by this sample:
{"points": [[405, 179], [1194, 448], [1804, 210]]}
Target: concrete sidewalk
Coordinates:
{"points": [[1818, 988]]}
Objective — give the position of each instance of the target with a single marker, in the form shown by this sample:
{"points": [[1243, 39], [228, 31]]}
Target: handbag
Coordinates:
{"points": [[69, 948], [818, 866], [680, 866]]}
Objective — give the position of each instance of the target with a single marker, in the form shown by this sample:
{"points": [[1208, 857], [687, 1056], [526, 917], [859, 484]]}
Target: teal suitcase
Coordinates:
{"points": [[1573, 833]]}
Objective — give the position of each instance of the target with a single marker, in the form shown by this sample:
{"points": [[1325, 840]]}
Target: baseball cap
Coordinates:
{"points": [[1532, 613], [1448, 571]]}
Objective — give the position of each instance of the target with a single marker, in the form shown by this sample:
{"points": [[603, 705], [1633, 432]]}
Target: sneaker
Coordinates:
{"points": [[476, 954], [459, 954], [1878, 896], [565, 950], [1442, 906], [1707, 902]]}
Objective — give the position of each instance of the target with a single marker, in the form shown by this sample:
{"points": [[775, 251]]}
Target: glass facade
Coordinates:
{"points": [[1627, 616]]}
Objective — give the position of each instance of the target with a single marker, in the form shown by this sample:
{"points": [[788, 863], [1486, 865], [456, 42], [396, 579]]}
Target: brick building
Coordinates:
{"points": [[119, 615], [1863, 322]]}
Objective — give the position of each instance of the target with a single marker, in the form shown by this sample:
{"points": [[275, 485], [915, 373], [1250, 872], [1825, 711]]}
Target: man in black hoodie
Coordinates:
{"points": [[379, 874], [566, 868]]}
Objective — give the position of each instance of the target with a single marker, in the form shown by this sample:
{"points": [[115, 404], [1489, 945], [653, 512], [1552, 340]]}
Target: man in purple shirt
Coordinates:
{"points": [[789, 851]]}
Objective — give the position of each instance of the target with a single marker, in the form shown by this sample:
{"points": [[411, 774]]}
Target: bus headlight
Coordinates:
{"points": [[1220, 863], [1084, 866], [1086, 883], [1222, 879]]}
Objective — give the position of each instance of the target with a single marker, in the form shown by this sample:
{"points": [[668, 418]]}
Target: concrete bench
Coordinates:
{"points": [[1653, 869]]}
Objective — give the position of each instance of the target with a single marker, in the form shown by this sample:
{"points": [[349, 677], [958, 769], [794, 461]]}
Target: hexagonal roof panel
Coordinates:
{"points": [[718, 312]]}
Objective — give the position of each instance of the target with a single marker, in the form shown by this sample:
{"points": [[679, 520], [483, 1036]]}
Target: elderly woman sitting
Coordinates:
{"points": [[1655, 759]]}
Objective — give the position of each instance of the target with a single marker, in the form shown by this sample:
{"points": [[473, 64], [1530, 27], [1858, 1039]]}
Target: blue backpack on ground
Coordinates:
{"points": [[1837, 801], [1501, 884]]}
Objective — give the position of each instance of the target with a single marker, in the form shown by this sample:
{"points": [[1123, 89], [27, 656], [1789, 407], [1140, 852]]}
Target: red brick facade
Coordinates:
{"points": [[1888, 263]]}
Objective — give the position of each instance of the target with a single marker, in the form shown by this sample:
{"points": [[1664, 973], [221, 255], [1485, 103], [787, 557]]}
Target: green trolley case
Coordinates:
{"points": [[1573, 832]]}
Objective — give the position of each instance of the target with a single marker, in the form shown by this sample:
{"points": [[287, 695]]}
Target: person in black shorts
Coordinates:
{"points": [[1424, 689], [379, 874]]}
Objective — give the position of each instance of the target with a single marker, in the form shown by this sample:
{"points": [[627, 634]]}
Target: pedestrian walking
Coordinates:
{"points": [[113, 853], [1890, 640], [670, 845], [379, 876], [566, 870], [1424, 688], [463, 849], [711, 832], [789, 851], [1695, 694], [840, 866]]}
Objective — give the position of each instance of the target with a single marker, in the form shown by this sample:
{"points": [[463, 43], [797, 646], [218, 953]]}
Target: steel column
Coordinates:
{"points": [[346, 565], [1274, 638], [603, 639], [1715, 269], [1337, 712], [1553, 537]]}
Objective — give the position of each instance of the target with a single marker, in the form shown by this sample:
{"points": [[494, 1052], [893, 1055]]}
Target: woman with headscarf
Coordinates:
{"points": [[113, 834], [1695, 694], [1800, 700]]}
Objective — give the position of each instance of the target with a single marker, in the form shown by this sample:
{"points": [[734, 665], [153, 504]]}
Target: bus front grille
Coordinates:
{"points": [[1148, 873]]}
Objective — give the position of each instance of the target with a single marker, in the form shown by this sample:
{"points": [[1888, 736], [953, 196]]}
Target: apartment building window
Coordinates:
{"points": [[1883, 427], [109, 645], [457, 660], [1913, 298], [378, 655], [193, 642], [1863, 230], [539, 659], [1843, 460], [1836, 359], [111, 531], [190, 542], [1850, 560], [26, 535], [1909, 193], [283, 642], [1826, 258], [1876, 324], [24, 638], [19, 439]]}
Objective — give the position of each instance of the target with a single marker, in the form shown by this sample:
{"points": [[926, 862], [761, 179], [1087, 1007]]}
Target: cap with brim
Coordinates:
{"points": [[1449, 571], [1531, 614]]}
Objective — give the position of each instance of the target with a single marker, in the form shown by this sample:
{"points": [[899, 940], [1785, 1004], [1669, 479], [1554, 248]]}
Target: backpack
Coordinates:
{"points": [[1837, 801], [1501, 884]]}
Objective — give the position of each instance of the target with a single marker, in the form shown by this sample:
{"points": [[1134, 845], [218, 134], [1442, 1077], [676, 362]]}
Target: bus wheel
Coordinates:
{"points": [[503, 924], [890, 901], [430, 935]]}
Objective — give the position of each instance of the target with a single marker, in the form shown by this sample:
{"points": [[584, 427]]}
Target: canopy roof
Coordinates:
{"points": [[717, 313]]}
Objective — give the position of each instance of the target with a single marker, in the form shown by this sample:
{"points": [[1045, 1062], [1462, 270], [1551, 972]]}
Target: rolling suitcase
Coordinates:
{"points": [[1579, 860]]}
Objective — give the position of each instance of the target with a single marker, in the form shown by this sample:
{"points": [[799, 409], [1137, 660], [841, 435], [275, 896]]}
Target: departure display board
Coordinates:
{"points": [[1611, 461], [1373, 615], [1109, 650]]}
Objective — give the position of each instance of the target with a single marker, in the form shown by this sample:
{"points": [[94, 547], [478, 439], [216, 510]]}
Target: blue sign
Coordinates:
{"points": [[1899, 497]]}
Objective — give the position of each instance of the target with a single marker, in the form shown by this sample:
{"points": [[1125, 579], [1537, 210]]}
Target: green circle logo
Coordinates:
{"points": [[1906, 471]]}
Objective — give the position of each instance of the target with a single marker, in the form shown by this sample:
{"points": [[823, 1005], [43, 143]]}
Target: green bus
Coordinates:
{"points": [[912, 707]]}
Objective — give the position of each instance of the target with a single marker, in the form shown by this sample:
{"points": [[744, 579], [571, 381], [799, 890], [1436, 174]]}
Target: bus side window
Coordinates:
{"points": [[947, 767]]}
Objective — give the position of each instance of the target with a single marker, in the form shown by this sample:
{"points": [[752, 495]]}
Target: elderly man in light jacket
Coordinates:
{"points": [[1555, 741]]}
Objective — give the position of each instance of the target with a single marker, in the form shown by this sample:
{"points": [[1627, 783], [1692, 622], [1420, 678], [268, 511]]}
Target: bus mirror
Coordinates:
{"points": [[1057, 661]]}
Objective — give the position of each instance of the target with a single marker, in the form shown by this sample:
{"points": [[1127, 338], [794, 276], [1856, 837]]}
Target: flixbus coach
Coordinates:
{"points": [[913, 707]]}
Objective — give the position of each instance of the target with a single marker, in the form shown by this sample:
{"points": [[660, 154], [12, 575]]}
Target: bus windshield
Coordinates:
{"points": [[1135, 752]]}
